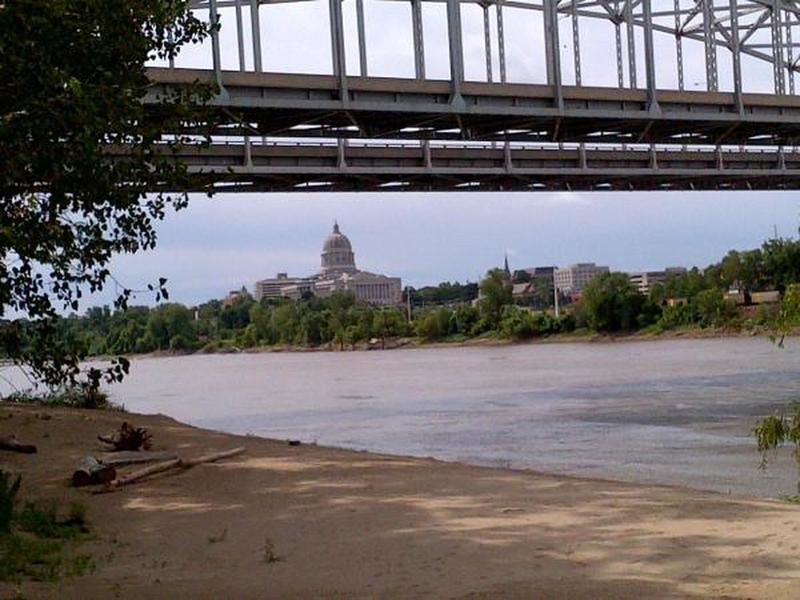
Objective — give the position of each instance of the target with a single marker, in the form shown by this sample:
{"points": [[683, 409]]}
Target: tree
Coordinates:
{"points": [[712, 308], [72, 80], [776, 430], [496, 294], [170, 327], [611, 303], [780, 263]]}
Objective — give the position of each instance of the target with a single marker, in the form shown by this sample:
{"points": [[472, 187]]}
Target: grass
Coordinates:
{"points": [[793, 498], [73, 397], [41, 545]]}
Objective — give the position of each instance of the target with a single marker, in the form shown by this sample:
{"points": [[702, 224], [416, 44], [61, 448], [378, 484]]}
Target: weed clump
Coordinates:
{"points": [[80, 396], [37, 542]]}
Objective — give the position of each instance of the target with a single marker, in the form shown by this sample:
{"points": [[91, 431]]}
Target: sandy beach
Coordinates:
{"points": [[342, 524]]}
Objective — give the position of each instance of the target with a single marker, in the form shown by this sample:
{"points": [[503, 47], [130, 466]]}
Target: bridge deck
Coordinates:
{"points": [[297, 105]]}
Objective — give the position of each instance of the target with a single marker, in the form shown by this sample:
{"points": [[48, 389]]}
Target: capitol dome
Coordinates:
{"points": [[337, 253]]}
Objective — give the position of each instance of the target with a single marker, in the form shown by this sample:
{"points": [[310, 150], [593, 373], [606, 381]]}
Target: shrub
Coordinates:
{"points": [[522, 324], [429, 326]]}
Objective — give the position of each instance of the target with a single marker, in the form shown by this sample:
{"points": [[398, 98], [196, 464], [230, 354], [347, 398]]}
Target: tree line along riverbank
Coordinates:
{"points": [[691, 303]]}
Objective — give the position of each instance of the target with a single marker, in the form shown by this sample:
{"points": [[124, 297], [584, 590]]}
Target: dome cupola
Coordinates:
{"points": [[337, 253]]}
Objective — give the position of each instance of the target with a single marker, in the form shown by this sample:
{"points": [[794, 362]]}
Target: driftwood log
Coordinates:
{"points": [[90, 471], [12, 444], [177, 463], [129, 457]]}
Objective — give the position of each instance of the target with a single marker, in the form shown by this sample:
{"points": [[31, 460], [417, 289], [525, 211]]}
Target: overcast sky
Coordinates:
{"points": [[234, 240]]}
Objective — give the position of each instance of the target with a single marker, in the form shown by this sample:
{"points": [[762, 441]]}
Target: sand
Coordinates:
{"points": [[342, 524]]}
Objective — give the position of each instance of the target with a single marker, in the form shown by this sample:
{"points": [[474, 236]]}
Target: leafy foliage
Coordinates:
{"points": [[612, 303], [85, 161], [496, 294], [774, 431]]}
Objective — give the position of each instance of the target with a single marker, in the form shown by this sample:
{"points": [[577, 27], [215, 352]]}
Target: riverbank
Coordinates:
{"points": [[579, 337], [304, 521]]}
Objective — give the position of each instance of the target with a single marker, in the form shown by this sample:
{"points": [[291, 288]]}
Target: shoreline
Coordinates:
{"points": [[479, 342], [345, 523]]}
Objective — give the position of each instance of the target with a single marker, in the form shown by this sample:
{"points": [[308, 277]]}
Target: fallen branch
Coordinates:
{"points": [[177, 463], [10, 443]]}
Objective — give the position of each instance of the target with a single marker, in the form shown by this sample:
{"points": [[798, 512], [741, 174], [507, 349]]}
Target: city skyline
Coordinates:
{"points": [[228, 241]]}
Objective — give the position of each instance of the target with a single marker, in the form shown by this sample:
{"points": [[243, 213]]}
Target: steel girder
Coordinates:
{"points": [[762, 29], [254, 104], [507, 167]]}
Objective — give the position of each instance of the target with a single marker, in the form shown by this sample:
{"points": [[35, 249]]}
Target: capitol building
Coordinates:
{"points": [[338, 273]]}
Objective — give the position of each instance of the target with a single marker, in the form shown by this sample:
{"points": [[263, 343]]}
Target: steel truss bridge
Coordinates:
{"points": [[347, 130]]}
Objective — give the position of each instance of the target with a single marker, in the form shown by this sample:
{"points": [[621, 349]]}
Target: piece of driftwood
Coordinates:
{"points": [[90, 471], [129, 457], [128, 438], [177, 463], [12, 444]]}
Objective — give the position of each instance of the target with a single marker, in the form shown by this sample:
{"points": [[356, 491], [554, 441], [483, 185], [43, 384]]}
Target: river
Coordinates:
{"points": [[668, 411]]}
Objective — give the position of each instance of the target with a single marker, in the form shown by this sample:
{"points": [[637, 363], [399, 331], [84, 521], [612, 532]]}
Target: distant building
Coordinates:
{"points": [[537, 275], [742, 298], [234, 295], [338, 272], [572, 279], [644, 280], [541, 273]]}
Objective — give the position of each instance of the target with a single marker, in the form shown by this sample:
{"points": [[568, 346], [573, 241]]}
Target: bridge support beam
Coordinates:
{"points": [[501, 40], [650, 59], [419, 39], [487, 42], [737, 56], [362, 38], [240, 34], [777, 47], [631, 39], [679, 45], [456, 51], [213, 19], [255, 26], [337, 47], [709, 39], [553, 52]]}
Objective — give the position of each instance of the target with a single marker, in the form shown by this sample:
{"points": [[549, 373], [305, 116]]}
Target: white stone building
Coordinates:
{"points": [[338, 272], [572, 279]]}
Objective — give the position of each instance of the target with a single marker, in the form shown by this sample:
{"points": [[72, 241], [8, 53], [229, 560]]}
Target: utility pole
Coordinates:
{"points": [[555, 294]]}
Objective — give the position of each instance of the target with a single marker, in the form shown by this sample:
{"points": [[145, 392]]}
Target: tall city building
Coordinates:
{"points": [[338, 272]]}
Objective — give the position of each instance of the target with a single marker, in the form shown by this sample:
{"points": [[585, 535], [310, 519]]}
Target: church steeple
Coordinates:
{"points": [[505, 268]]}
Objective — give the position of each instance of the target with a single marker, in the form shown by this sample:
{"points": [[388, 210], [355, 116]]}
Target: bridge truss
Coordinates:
{"points": [[347, 130]]}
